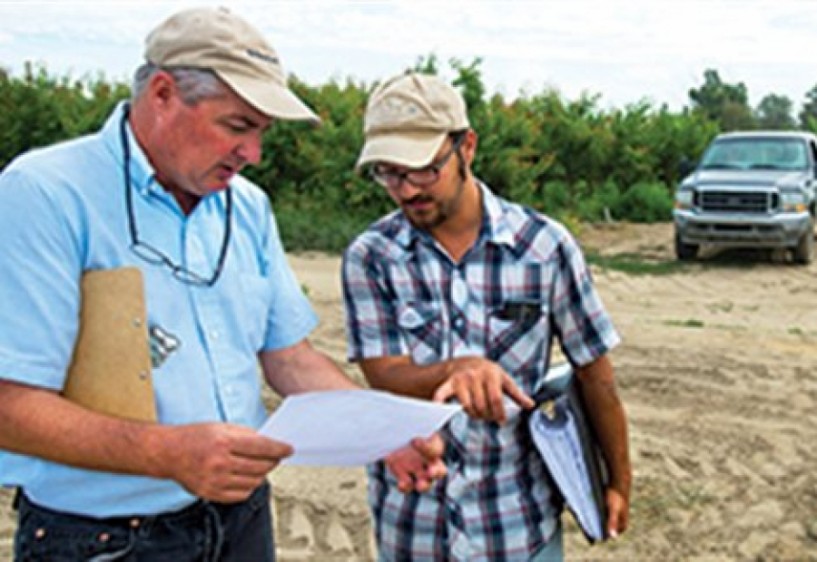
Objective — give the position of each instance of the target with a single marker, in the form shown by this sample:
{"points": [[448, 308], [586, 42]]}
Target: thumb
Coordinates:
{"points": [[444, 392], [613, 514]]}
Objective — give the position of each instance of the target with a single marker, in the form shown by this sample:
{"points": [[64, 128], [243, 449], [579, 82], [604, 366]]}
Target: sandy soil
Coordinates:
{"points": [[718, 371]]}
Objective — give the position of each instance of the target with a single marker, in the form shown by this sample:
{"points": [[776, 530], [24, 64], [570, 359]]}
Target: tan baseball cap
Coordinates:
{"points": [[408, 118], [218, 40]]}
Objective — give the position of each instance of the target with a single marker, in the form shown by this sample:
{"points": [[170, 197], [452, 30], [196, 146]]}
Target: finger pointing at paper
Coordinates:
{"points": [[480, 385]]}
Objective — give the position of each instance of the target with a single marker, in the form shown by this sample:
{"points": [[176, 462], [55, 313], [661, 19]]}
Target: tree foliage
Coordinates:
{"points": [[569, 158], [775, 112], [808, 113], [39, 109], [726, 104]]}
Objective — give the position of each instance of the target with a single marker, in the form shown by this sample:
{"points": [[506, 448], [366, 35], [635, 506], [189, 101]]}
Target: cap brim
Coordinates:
{"points": [[411, 149], [271, 99]]}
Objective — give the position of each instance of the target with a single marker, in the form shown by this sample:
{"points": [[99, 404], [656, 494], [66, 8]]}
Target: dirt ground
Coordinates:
{"points": [[718, 372]]}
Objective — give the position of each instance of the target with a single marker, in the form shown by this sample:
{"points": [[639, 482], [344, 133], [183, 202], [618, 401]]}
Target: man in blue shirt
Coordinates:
{"points": [[157, 189], [460, 294]]}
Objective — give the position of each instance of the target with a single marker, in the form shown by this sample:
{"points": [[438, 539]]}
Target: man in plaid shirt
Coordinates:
{"points": [[458, 295]]}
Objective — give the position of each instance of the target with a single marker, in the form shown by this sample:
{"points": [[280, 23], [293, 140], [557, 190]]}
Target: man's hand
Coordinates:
{"points": [[480, 385], [618, 510], [417, 465], [219, 462]]}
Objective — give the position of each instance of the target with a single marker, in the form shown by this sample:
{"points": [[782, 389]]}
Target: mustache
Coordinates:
{"points": [[417, 199]]}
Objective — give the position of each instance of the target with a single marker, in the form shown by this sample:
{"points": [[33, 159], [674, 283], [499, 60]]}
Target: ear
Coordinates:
{"points": [[162, 92], [469, 146]]}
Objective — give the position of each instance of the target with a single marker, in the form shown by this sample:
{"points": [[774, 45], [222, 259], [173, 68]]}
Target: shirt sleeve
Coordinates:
{"points": [[40, 268], [291, 317], [371, 318], [580, 322]]}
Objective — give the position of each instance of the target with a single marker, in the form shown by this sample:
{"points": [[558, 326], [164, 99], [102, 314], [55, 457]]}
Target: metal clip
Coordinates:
{"points": [[548, 408]]}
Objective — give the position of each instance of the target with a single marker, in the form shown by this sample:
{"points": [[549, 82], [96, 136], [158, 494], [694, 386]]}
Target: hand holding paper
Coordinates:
{"points": [[418, 465], [352, 427]]}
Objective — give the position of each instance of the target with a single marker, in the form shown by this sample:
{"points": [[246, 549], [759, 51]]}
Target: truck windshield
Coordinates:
{"points": [[764, 153]]}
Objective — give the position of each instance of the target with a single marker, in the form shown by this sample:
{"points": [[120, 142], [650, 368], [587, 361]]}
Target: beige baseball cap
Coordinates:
{"points": [[408, 118], [218, 40]]}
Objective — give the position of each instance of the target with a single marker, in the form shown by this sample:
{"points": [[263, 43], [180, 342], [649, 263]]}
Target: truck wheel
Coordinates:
{"points": [[685, 252], [804, 252]]}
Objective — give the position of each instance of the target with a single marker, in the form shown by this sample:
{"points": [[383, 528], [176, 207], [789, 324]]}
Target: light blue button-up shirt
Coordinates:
{"points": [[62, 212]]}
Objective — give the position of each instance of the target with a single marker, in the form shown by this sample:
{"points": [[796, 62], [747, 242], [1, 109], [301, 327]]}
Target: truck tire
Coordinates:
{"points": [[804, 252], [685, 252]]}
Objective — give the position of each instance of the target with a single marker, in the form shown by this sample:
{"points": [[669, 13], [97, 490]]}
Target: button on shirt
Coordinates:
{"points": [[62, 212], [523, 283]]}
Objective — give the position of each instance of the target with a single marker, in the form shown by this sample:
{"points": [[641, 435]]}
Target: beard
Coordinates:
{"points": [[438, 212]]}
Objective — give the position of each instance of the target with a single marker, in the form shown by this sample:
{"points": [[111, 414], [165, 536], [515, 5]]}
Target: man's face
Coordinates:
{"points": [[429, 206], [200, 147]]}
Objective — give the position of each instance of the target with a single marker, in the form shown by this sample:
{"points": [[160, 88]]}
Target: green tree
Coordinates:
{"points": [[775, 112], [726, 104], [39, 109], [567, 157], [808, 113]]}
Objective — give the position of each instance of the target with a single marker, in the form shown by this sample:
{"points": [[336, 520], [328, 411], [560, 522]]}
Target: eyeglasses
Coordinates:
{"points": [[389, 178], [154, 256]]}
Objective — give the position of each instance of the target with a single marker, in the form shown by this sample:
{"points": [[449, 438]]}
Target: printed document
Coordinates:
{"points": [[352, 427]]}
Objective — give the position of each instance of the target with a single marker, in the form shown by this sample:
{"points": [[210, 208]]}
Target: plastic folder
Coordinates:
{"points": [[565, 439], [110, 369]]}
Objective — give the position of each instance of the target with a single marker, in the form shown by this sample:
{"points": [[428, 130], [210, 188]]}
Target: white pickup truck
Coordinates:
{"points": [[750, 190]]}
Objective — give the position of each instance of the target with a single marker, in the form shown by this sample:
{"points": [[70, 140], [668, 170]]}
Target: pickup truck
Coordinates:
{"points": [[750, 190]]}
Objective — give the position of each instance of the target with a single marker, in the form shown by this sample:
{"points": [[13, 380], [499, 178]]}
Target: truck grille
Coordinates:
{"points": [[736, 201]]}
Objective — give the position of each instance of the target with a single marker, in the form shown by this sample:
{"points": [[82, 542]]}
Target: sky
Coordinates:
{"points": [[624, 51]]}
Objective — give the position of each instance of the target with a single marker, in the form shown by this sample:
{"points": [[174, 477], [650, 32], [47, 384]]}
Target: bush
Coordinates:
{"points": [[645, 202], [566, 158], [323, 229]]}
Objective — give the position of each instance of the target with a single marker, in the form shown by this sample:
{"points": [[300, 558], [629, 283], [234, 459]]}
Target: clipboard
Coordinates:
{"points": [[110, 369]]}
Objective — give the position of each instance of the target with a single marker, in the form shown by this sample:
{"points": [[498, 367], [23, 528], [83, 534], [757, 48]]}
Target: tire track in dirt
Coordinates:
{"points": [[717, 370]]}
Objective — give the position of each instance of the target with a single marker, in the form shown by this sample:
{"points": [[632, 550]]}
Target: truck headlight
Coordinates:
{"points": [[683, 199], [793, 201]]}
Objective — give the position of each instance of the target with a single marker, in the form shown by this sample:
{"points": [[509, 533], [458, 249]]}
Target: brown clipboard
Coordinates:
{"points": [[110, 370]]}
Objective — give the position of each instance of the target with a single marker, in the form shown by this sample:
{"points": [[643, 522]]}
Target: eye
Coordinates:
{"points": [[237, 128], [238, 125], [428, 174]]}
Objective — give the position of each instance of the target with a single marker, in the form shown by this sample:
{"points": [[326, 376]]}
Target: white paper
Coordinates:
{"points": [[352, 427]]}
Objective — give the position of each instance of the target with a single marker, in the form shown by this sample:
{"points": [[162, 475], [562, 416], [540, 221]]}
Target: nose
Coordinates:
{"points": [[249, 150], [405, 189]]}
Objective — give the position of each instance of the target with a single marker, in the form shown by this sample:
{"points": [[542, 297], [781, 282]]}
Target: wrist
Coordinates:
{"points": [[621, 481], [157, 442]]}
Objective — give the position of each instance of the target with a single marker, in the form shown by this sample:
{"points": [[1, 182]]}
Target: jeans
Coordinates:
{"points": [[202, 532]]}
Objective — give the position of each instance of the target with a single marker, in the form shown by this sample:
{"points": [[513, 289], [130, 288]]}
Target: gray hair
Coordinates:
{"points": [[195, 84]]}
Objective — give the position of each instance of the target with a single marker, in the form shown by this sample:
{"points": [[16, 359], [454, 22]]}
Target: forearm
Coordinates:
{"points": [[609, 420], [402, 376], [301, 368], [43, 424]]}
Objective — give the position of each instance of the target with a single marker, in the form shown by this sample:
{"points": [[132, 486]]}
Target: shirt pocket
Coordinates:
{"points": [[421, 330], [257, 299], [518, 333]]}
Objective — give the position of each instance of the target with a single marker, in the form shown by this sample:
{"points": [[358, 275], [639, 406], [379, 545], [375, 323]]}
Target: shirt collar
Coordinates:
{"points": [[142, 174], [496, 226]]}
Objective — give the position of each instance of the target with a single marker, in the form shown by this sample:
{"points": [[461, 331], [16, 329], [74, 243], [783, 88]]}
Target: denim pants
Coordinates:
{"points": [[202, 532]]}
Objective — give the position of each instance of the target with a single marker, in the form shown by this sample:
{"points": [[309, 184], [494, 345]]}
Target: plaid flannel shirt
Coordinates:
{"points": [[524, 282]]}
